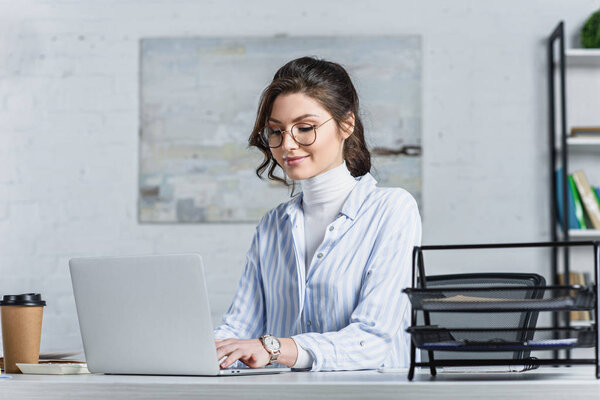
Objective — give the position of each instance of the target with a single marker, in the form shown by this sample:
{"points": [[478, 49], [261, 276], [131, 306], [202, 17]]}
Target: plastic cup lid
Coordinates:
{"points": [[27, 299]]}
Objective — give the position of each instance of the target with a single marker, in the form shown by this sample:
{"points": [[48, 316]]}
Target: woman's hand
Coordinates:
{"points": [[249, 351]]}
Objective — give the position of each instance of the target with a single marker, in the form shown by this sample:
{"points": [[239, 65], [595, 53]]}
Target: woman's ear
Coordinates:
{"points": [[348, 126]]}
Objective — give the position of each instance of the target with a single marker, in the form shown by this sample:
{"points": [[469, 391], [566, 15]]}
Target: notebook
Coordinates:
{"points": [[147, 315]]}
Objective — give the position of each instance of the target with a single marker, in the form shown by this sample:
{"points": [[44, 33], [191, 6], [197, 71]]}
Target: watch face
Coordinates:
{"points": [[272, 343]]}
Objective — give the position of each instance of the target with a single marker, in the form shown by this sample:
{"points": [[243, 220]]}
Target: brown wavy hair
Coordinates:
{"points": [[329, 84]]}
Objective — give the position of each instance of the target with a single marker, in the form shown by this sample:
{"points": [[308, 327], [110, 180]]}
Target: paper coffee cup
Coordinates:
{"points": [[21, 329]]}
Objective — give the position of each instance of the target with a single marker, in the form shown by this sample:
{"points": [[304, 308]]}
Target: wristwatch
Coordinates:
{"points": [[272, 345]]}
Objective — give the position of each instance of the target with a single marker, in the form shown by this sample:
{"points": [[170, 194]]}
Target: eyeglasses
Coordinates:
{"points": [[303, 133]]}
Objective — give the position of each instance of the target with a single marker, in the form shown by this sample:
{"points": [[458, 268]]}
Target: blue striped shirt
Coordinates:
{"points": [[348, 311]]}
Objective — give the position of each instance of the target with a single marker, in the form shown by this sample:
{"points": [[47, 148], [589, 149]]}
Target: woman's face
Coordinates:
{"points": [[303, 162]]}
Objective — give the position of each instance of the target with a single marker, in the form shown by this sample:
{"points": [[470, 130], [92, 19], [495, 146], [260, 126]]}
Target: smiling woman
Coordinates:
{"points": [[322, 285], [305, 152], [310, 92]]}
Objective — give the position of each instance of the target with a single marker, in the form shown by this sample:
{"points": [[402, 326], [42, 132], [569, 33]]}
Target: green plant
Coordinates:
{"points": [[590, 33]]}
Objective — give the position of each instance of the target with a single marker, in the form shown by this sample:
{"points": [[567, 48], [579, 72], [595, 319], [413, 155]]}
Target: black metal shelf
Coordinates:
{"points": [[558, 60]]}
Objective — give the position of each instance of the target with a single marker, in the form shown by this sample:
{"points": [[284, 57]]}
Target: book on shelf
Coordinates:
{"points": [[573, 224], [577, 204], [576, 278], [585, 131], [588, 198]]}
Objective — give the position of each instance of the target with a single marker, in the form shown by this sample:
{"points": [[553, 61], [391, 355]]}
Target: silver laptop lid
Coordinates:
{"points": [[144, 314]]}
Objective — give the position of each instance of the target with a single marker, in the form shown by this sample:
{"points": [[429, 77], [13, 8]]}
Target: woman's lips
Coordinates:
{"points": [[292, 161]]}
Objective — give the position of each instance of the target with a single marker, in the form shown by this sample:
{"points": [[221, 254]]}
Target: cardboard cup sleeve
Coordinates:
{"points": [[21, 334]]}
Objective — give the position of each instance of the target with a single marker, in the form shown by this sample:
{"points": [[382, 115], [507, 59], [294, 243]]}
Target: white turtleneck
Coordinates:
{"points": [[322, 199]]}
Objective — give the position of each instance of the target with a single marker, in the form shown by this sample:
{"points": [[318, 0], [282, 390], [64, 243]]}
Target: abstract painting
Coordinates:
{"points": [[199, 98]]}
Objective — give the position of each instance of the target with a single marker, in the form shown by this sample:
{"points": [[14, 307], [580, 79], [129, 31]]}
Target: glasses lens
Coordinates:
{"points": [[304, 133], [272, 137]]}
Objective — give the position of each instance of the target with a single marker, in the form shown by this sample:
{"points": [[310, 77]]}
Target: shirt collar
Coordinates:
{"points": [[356, 198], [358, 195]]}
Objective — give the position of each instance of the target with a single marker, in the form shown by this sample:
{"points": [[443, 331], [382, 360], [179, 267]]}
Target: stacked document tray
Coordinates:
{"points": [[501, 299], [495, 339], [492, 317]]}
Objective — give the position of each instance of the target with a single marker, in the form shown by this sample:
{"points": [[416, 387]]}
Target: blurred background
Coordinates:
{"points": [[70, 123]]}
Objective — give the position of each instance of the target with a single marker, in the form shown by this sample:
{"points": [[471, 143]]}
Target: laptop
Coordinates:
{"points": [[147, 315]]}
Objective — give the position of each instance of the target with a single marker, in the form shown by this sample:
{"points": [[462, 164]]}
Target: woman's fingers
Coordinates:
{"points": [[244, 350], [225, 349], [231, 358]]}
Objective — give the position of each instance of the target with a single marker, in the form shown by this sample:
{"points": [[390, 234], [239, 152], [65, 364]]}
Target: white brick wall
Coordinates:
{"points": [[69, 122]]}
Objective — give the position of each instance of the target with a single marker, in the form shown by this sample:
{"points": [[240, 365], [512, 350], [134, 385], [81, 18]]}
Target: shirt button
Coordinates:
{"points": [[330, 228], [320, 255], [362, 343], [308, 323]]}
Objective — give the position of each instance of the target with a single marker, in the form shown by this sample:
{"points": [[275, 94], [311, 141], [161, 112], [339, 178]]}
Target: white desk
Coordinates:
{"points": [[545, 383]]}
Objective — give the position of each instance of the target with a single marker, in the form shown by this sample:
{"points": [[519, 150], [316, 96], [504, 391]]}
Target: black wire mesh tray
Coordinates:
{"points": [[502, 298], [432, 337]]}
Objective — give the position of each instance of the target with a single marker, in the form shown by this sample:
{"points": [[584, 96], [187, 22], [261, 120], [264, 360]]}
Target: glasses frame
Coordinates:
{"points": [[292, 135]]}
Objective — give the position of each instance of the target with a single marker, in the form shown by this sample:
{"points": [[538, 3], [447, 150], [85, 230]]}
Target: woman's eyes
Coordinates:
{"points": [[304, 128]]}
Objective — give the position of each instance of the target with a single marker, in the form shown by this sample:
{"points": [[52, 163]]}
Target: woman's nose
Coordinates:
{"points": [[288, 141]]}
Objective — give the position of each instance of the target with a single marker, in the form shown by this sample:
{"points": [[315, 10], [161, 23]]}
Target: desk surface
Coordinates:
{"points": [[556, 383]]}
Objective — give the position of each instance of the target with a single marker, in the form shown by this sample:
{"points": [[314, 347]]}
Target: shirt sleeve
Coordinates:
{"points": [[304, 359], [245, 317], [382, 308]]}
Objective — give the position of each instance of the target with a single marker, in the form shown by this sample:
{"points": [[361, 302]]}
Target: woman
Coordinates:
{"points": [[322, 285]]}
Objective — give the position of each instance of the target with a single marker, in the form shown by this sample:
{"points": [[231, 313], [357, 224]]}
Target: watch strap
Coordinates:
{"points": [[274, 353]]}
